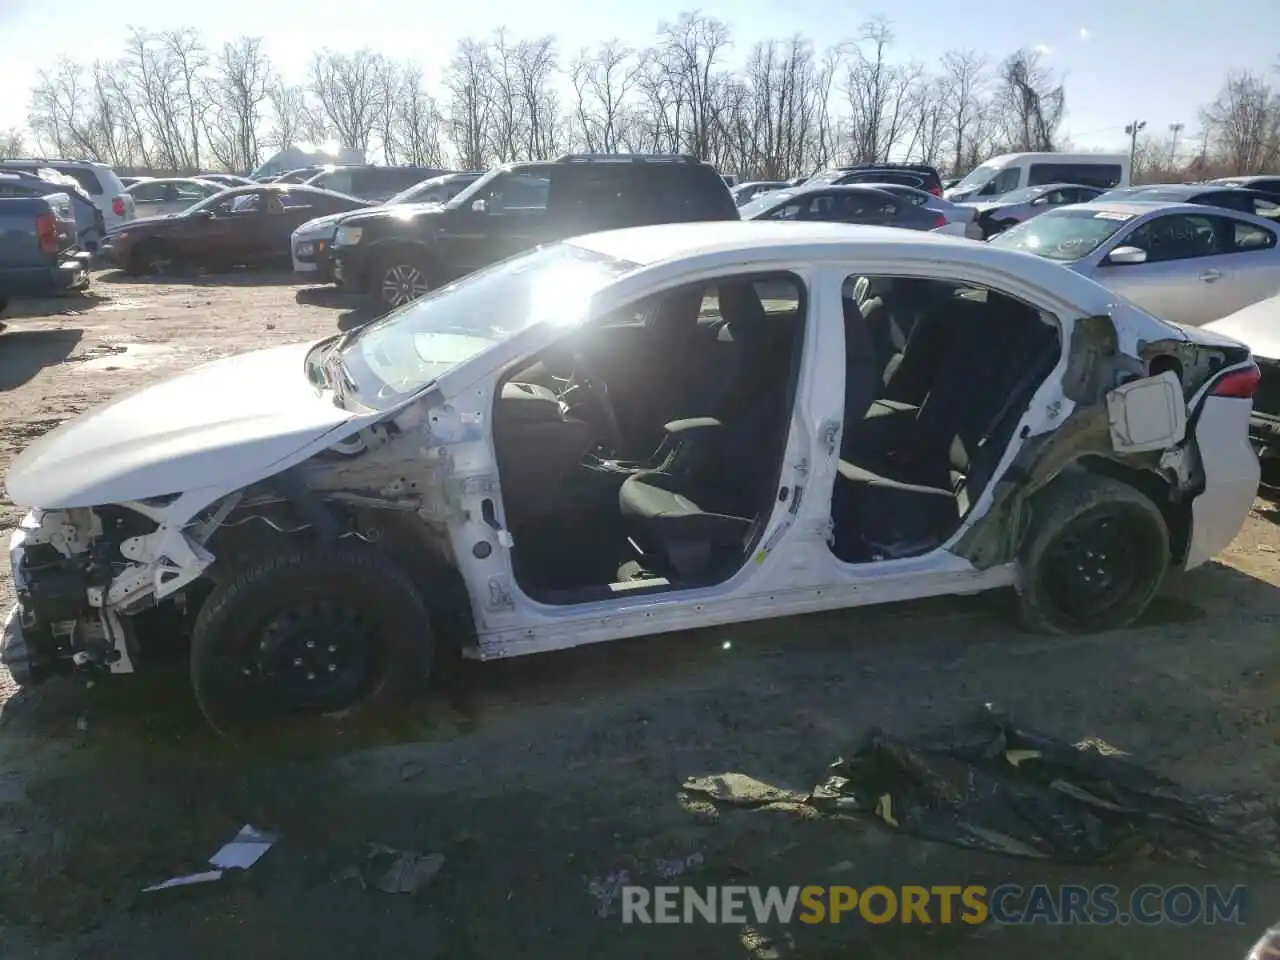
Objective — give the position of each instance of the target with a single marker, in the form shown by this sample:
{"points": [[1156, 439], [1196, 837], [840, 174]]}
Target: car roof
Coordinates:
{"points": [[807, 188], [758, 239], [1142, 208]]}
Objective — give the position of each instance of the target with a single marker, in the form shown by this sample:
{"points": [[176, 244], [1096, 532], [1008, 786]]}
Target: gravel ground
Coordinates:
{"points": [[535, 777]]}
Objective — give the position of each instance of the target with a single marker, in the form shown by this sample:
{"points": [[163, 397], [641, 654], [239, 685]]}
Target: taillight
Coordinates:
{"points": [[47, 232], [117, 206], [939, 220], [936, 191], [1242, 384]]}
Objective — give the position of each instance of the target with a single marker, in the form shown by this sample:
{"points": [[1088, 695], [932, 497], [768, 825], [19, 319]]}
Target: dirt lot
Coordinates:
{"points": [[535, 778]]}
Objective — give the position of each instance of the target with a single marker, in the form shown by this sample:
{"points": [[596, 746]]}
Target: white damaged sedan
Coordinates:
{"points": [[628, 433]]}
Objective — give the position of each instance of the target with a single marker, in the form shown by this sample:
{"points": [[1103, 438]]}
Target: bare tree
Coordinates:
{"points": [[467, 80], [419, 126], [187, 57], [962, 95], [156, 85], [878, 93], [689, 54], [348, 90], [12, 143], [287, 106], [1031, 103], [239, 89], [1243, 124], [536, 69], [603, 81]]}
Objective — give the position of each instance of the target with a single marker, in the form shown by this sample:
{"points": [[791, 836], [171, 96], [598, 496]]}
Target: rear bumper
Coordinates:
{"points": [[70, 272]]}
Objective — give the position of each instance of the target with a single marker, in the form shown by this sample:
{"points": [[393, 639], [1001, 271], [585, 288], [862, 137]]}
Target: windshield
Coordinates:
{"points": [[766, 201], [402, 353], [1063, 234], [977, 177], [441, 189], [472, 189]]}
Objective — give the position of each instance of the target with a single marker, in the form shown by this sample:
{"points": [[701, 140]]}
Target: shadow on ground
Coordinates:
{"points": [[24, 353], [246, 277], [31, 308], [357, 308]]}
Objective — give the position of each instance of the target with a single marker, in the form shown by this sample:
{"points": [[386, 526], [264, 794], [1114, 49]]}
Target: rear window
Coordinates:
{"points": [[682, 193], [85, 177]]}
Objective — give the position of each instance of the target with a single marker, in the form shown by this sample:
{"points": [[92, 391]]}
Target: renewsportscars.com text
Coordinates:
{"points": [[1008, 904]]}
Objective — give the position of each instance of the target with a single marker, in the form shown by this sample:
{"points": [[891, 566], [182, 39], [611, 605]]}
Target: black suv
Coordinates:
{"points": [[918, 175], [398, 254]]}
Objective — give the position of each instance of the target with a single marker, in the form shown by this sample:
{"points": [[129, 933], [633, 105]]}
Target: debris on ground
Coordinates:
{"points": [[240, 853], [606, 891], [992, 785], [391, 870]]}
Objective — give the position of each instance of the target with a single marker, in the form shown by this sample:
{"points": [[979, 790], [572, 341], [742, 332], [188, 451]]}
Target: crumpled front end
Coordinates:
{"points": [[80, 574]]}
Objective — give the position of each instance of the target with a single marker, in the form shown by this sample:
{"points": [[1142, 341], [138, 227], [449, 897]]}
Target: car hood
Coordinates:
{"points": [[397, 211], [1257, 325], [222, 424], [321, 225]]}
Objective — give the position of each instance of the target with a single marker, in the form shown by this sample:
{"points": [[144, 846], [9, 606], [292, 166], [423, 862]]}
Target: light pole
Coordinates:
{"points": [[1174, 130], [1133, 129]]}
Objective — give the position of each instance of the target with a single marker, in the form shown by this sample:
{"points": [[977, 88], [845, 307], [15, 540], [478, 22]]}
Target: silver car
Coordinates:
{"points": [[1183, 262], [1019, 206]]}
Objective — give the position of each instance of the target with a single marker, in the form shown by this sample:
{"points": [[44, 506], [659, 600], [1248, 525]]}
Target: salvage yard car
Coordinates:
{"points": [[1180, 261], [236, 227], [626, 433]]}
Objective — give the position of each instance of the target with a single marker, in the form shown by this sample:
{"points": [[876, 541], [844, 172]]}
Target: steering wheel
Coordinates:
{"points": [[584, 377]]}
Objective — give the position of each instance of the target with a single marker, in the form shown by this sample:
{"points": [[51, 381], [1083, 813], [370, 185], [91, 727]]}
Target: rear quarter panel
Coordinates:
{"points": [[1231, 475]]}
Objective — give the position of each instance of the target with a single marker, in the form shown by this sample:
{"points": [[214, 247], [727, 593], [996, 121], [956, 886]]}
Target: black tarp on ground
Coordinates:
{"points": [[991, 785]]}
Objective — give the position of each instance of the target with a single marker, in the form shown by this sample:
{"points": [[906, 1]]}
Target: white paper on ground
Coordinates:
{"points": [[207, 877], [245, 849]]}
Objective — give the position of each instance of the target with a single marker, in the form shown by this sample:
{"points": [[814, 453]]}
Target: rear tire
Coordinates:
{"points": [[1096, 553], [314, 631], [400, 277]]}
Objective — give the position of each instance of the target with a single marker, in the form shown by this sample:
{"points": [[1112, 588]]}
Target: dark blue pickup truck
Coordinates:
{"points": [[38, 251]]}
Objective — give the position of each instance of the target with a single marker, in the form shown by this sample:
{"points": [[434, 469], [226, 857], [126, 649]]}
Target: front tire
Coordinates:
{"points": [[315, 631], [153, 258], [1096, 553], [400, 277]]}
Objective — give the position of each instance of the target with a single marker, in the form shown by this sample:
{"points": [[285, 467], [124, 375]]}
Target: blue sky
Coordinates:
{"points": [[1154, 61]]}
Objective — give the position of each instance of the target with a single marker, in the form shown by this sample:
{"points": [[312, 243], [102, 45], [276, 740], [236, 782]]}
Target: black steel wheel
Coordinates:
{"points": [[322, 631], [1095, 555]]}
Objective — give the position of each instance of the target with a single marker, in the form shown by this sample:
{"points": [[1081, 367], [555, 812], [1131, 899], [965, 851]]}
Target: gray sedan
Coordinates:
{"points": [[962, 218], [1181, 262], [1018, 206], [842, 204]]}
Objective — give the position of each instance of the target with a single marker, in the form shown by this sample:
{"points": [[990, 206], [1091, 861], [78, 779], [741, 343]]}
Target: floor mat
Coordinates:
{"points": [[992, 785]]}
